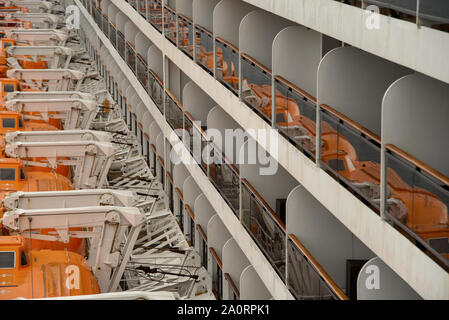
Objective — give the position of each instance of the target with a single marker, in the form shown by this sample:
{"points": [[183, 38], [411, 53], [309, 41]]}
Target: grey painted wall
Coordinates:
{"points": [[415, 119], [354, 82]]}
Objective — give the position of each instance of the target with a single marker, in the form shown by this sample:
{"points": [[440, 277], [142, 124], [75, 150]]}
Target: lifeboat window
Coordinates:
{"points": [[20, 123], [23, 259], [337, 164], [441, 245], [22, 174], [7, 174], [7, 44], [280, 118], [7, 260], [9, 123], [7, 87]]}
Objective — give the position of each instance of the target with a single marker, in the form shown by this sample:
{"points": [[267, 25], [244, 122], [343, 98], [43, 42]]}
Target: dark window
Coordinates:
{"points": [[441, 245], [280, 118], [22, 174], [7, 174], [23, 259], [7, 260], [337, 164], [7, 44], [20, 123], [9, 123], [9, 88]]}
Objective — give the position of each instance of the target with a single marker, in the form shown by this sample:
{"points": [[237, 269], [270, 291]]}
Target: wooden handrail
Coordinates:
{"points": [[216, 257], [203, 29], [226, 160], [257, 63], [146, 136], [189, 116], [169, 8], [169, 176], [142, 59], [131, 45], [352, 123], [232, 284], [156, 77], [185, 18], [161, 161], [176, 101], [318, 268], [227, 43], [201, 232], [179, 193], [265, 204], [153, 147], [190, 211], [296, 88], [140, 126], [418, 163]]}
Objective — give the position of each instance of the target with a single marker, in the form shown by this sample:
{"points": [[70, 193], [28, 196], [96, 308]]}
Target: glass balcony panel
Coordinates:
{"points": [[303, 280], [155, 14], [173, 113], [131, 56], [142, 71], [227, 65], [156, 90], [258, 219], [105, 25], [204, 42], [185, 28], [143, 8], [295, 118], [170, 24], [226, 178], [113, 35], [419, 202], [351, 157], [121, 44], [255, 87]]}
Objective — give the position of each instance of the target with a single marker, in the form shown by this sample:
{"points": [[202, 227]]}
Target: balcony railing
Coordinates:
{"points": [[191, 217], [204, 41], [142, 71], [154, 15], [174, 113], [185, 31], [204, 247], [227, 64], [235, 290], [142, 5], [256, 86], [432, 13], [170, 24], [113, 34], [155, 89], [226, 178], [196, 142], [296, 116], [352, 153], [131, 56], [264, 226], [121, 46], [307, 280], [217, 282]]}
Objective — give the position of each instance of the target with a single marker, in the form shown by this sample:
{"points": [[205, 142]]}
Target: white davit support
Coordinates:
{"points": [[99, 96], [75, 113], [40, 20], [48, 79], [69, 199], [91, 159], [38, 37], [106, 224], [56, 57], [34, 6]]}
